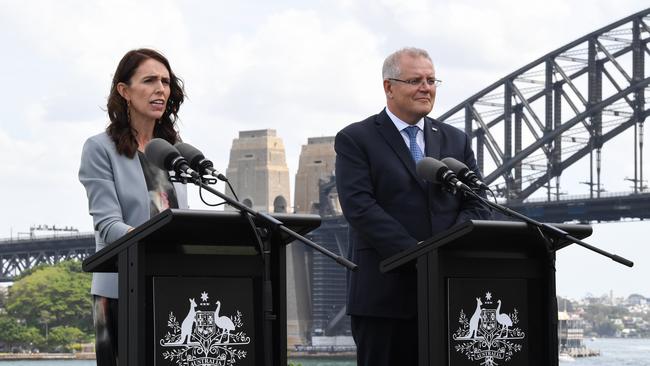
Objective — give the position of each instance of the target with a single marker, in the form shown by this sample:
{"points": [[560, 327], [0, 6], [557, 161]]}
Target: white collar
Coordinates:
{"points": [[401, 124]]}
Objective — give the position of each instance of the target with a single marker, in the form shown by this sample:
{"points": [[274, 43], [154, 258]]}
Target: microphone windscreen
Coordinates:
{"points": [[455, 165], [160, 153], [191, 154], [428, 169]]}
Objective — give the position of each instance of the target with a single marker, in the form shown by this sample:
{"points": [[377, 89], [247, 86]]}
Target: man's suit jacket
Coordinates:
{"points": [[389, 209], [117, 198]]}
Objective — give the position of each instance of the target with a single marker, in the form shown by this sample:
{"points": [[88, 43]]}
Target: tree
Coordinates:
{"points": [[46, 318], [606, 329], [65, 337], [56, 295], [3, 298], [17, 335]]}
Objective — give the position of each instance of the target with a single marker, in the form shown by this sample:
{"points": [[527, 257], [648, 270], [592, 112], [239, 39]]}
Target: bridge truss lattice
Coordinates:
{"points": [[533, 124]]}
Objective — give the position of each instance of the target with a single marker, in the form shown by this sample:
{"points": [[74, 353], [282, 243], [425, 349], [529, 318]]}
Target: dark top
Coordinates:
{"points": [[389, 209]]}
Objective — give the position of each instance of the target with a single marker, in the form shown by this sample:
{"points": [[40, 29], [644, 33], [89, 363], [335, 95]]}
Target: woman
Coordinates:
{"points": [[124, 190]]}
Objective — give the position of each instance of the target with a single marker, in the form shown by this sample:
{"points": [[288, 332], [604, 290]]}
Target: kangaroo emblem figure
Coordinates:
{"points": [[473, 322], [186, 326]]}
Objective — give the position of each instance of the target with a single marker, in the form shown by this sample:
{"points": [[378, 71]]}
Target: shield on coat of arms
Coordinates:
{"points": [[205, 323], [488, 320]]}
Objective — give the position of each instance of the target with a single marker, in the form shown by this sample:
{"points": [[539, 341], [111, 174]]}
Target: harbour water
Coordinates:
{"points": [[628, 352], [616, 351]]}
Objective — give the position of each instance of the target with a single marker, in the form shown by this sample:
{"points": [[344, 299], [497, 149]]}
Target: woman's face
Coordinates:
{"points": [[148, 90]]}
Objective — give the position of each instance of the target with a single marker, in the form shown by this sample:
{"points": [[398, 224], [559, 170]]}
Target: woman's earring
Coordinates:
{"points": [[128, 111]]}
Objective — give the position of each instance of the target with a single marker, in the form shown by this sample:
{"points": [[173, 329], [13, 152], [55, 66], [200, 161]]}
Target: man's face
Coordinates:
{"points": [[411, 102]]}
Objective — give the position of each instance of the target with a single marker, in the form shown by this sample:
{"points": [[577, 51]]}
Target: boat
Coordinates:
{"points": [[565, 357], [571, 336]]}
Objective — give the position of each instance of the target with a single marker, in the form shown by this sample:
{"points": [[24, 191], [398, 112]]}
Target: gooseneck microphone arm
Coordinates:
{"points": [[276, 224], [166, 148], [429, 168], [552, 230]]}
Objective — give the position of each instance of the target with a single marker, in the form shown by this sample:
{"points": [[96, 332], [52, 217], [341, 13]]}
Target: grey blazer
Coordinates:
{"points": [[118, 198]]}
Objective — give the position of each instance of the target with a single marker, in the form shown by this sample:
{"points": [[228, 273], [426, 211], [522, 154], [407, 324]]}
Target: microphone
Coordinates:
{"points": [[163, 155], [435, 171], [198, 161], [464, 173]]}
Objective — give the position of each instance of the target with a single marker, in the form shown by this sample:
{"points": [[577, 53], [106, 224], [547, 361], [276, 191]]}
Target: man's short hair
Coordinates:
{"points": [[391, 63]]}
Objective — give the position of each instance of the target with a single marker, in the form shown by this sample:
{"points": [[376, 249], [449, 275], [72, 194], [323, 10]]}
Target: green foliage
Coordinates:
{"points": [[606, 328], [65, 338], [52, 296], [17, 335], [601, 316], [600, 311], [49, 308]]}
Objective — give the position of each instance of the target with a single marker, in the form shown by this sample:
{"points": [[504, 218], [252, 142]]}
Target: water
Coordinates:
{"points": [[322, 362], [614, 352]]}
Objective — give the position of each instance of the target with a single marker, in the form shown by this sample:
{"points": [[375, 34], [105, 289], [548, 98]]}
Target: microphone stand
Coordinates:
{"points": [[547, 229], [275, 225]]}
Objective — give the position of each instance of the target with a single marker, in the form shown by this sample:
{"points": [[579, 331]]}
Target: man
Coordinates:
{"points": [[389, 209]]}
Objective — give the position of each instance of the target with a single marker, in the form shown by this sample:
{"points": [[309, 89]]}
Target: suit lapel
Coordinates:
{"points": [[431, 139], [395, 140]]}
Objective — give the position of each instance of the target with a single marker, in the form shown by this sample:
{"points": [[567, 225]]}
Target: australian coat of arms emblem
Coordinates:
{"points": [[490, 334], [204, 337]]}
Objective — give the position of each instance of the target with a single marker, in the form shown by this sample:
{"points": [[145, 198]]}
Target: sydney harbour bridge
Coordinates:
{"points": [[538, 133]]}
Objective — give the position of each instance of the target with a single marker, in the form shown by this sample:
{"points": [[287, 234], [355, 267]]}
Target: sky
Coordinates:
{"points": [[303, 68]]}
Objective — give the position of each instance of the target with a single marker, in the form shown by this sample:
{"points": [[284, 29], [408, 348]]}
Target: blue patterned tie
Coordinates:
{"points": [[416, 153]]}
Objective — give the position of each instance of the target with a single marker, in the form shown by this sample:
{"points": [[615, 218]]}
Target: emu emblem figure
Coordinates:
{"points": [[504, 320], [224, 323]]}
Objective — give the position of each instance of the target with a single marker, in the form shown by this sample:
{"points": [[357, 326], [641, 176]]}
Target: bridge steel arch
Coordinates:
{"points": [[17, 256], [544, 117]]}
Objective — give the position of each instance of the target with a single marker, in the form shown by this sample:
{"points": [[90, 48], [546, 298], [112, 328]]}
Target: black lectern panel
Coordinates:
{"points": [[193, 228], [486, 294], [200, 320], [486, 321], [192, 289]]}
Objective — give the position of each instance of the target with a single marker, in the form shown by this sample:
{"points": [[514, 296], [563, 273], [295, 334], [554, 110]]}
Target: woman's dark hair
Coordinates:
{"points": [[119, 129]]}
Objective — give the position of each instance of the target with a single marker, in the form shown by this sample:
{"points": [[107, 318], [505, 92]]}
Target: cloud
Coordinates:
{"points": [[302, 69], [91, 35], [295, 72], [295, 62]]}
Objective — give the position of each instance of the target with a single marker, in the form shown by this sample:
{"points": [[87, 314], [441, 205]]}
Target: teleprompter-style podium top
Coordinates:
{"points": [[198, 228], [480, 231]]}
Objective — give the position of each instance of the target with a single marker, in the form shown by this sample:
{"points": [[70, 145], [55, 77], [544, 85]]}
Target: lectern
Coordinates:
{"points": [[486, 294], [192, 288]]}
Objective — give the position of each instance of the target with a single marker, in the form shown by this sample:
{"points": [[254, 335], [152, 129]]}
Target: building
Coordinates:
{"points": [[316, 164], [316, 290], [315, 192], [258, 171]]}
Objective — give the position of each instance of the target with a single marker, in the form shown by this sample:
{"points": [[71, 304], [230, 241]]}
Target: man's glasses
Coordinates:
{"points": [[419, 81]]}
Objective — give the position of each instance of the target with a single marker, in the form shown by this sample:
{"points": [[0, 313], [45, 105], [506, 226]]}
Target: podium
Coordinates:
{"points": [[486, 294], [192, 289]]}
